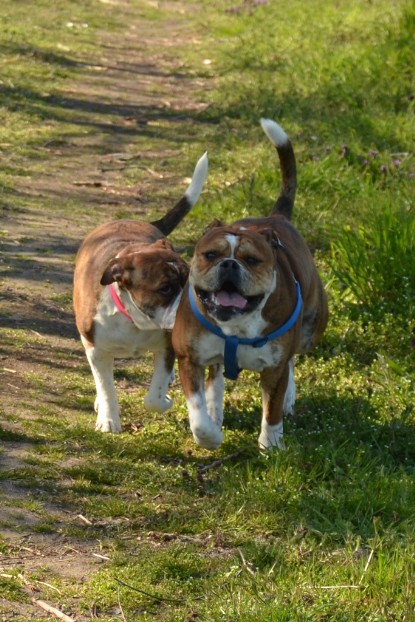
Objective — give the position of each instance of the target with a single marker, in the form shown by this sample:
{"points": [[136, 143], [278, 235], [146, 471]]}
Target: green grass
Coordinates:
{"points": [[324, 530]]}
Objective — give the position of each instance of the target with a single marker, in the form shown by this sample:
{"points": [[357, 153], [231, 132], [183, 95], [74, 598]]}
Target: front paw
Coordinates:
{"points": [[271, 437], [108, 424], [208, 436], [158, 404]]}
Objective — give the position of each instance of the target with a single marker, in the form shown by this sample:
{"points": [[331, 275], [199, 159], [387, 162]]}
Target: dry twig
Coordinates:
{"points": [[56, 612], [153, 596], [369, 559], [246, 564], [339, 587], [220, 461], [84, 519]]}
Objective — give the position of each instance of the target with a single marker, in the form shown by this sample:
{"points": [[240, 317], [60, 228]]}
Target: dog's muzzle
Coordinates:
{"points": [[228, 299]]}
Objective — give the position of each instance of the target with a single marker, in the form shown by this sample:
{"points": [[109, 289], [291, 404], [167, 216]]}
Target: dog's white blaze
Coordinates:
{"points": [[274, 132], [199, 175], [206, 432], [233, 242]]}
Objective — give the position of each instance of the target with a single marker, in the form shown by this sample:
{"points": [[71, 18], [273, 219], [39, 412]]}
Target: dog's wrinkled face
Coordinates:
{"points": [[233, 270], [154, 276]]}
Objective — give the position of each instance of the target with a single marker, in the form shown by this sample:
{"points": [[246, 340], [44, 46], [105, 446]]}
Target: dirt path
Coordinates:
{"points": [[122, 94]]}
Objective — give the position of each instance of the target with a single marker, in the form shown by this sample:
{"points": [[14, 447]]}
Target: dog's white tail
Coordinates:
{"points": [[274, 132], [199, 175]]}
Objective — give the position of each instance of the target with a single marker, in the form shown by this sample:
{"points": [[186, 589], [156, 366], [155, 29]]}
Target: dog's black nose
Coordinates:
{"points": [[229, 265]]}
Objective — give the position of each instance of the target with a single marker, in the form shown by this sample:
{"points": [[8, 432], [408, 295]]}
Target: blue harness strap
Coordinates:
{"points": [[232, 341]]}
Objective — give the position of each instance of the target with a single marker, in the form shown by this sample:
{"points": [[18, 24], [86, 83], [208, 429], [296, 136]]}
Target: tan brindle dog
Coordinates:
{"points": [[254, 298]]}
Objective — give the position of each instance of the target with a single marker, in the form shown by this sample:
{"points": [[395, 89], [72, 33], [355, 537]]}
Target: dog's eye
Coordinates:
{"points": [[252, 261], [210, 255], [167, 290]]}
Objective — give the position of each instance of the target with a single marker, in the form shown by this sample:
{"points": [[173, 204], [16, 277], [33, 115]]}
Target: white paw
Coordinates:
{"points": [[108, 419], [106, 424], [208, 436], [271, 437], [158, 404]]}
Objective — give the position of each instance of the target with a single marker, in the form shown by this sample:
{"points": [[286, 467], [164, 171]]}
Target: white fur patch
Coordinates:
{"points": [[289, 398], [199, 175], [165, 317], [206, 432], [274, 132], [271, 435], [233, 242], [157, 399], [214, 399]]}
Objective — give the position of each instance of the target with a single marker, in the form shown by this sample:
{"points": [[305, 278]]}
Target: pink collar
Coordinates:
{"points": [[118, 302]]}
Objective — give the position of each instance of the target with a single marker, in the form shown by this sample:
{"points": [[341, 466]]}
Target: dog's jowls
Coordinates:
{"points": [[253, 299], [127, 286]]}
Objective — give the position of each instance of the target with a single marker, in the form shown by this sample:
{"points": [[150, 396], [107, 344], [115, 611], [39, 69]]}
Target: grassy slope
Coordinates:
{"points": [[277, 537]]}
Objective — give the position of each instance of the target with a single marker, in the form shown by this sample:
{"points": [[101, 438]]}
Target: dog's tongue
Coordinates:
{"points": [[231, 299]]}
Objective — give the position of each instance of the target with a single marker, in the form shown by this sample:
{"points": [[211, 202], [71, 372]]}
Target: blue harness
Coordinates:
{"points": [[232, 341]]}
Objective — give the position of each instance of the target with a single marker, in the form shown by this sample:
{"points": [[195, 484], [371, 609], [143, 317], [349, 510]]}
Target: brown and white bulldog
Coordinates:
{"points": [[127, 286], [253, 299]]}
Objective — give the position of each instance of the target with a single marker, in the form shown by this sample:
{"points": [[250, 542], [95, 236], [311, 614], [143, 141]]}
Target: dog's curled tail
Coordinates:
{"points": [[169, 221], [285, 201]]}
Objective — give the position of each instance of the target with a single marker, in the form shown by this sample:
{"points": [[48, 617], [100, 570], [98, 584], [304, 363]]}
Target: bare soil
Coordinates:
{"points": [[120, 94]]}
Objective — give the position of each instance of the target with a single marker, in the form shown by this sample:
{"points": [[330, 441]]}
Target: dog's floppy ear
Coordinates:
{"points": [[183, 271], [215, 223], [163, 243], [271, 237], [116, 270]]}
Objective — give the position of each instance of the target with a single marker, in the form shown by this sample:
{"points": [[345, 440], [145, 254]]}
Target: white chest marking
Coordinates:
{"points": [[210, 350], [116, 334]]}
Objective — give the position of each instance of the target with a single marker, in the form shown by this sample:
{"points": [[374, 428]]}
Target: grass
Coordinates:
{"points": [[324, 530], [375, 260]]}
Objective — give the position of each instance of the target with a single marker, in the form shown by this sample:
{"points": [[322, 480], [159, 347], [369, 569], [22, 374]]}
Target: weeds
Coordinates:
{"points": [[375, 261]]}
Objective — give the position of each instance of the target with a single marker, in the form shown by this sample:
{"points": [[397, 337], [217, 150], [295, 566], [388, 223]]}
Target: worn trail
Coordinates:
{"points": [[131, 106]]}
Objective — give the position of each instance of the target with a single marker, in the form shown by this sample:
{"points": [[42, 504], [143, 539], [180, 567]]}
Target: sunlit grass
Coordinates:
{"points": [[324, 529]]}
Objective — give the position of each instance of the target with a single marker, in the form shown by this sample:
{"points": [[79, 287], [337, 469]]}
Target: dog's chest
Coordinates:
{"points": [[209, 350], [115, 333]]}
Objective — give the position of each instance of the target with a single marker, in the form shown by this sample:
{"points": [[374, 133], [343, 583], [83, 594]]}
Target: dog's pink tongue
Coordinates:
{"points": [[231, 299]]}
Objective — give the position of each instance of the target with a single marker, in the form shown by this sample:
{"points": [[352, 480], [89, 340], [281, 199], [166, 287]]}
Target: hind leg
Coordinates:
{"points": [[290, 393], [274, 392], [163, 375]]}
